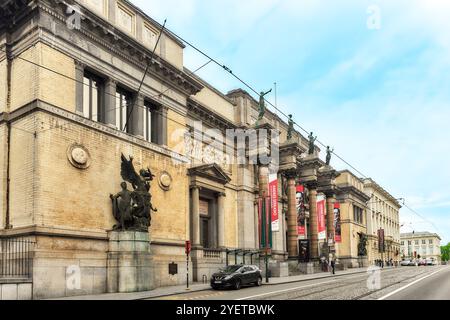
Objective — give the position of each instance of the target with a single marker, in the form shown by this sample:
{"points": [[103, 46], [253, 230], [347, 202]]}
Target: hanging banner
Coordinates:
{"points": [[321, 212], [260, 222], [381, 241], [273, 192], [300, 205], [337, 223], [265, 223]]}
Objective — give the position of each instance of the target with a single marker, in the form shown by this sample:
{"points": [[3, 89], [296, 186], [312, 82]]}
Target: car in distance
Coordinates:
{"points": [[405, 263], [236, 276]]}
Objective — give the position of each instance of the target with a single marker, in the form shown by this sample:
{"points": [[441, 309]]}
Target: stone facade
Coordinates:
{"points": [[383, 213], [73, 85], [352, 201], [420, 245]]}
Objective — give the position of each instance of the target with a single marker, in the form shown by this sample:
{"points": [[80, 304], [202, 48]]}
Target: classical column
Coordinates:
{"points": [[195, 216], [263, 180], [221, 220], [79, 87], [313, 223], [292, 218], [163, 126], [110, 103], [330, 216], [137, 117]]}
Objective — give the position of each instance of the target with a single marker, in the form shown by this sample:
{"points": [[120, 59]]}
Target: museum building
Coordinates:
{"points": [[77, 121]]}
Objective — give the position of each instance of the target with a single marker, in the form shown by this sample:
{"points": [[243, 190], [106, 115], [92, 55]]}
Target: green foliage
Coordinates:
{"points": [[445, 251]]}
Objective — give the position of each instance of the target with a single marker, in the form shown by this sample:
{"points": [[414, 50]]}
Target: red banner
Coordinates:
{"points": [[337, 223], [300, 204], [273, 192], [321, 212]]}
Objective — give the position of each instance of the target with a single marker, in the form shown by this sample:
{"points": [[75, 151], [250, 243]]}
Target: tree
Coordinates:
{"points": [[445, 252]]}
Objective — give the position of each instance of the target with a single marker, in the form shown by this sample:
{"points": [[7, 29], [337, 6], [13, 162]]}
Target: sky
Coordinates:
{"points": [[370, 78]]}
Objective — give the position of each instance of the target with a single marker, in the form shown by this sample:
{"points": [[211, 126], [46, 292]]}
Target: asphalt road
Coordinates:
{"points": [[434, 286], [347, 287]]}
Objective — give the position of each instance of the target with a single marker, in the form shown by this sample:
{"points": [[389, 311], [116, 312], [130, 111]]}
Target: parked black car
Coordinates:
{"points": [[236, 276]]}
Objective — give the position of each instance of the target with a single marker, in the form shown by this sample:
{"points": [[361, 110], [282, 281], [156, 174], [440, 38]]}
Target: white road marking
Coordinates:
{"points": [[283, 291], [410, 284]]}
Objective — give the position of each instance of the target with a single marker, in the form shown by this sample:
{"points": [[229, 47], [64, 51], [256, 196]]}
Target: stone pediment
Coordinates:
{"points": [[210, 171]]}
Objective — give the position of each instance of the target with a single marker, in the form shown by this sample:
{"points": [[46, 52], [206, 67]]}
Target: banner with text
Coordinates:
{"points": [[273, 192], [321, 212], [337, 223], [301, 215]]}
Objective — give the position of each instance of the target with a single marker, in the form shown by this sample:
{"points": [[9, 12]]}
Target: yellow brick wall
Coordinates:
{"points": [[54, 88], [24, 79], [3, 86], [3, 132], [23, 157], [79, 199], [30, 82]]}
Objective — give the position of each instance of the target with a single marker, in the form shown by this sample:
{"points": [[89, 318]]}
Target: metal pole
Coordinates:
{"points": [[267, 267], [227, 253], [187, 271]]}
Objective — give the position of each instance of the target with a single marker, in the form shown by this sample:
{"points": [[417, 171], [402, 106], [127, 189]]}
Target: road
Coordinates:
{"points": [[400, 283], [434, 286]]}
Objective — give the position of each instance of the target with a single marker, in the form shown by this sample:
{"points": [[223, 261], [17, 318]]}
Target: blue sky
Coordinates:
{"points": [[380, 97]]}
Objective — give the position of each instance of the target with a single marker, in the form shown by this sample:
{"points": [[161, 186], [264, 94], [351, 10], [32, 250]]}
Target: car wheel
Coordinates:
{"points": [[259, 282], [237, 284], [215, 287]]}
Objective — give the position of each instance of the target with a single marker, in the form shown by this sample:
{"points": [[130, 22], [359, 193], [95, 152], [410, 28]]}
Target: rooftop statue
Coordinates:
{"points": [[262, 106], [312, 141]]}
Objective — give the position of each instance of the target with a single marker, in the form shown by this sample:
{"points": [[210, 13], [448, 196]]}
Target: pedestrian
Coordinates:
{"points": [[332, 259]]}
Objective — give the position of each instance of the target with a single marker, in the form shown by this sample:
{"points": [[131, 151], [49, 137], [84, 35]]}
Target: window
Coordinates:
{"points": [[430, 241], [153, 123], [417, 242], [204, 232], [358, 215], [92, 97], [123, 104], [403, 243], [409, 243], [424, 242]]}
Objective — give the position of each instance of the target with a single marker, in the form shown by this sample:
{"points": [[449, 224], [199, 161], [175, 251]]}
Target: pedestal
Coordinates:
{"points": [[130, 262]]}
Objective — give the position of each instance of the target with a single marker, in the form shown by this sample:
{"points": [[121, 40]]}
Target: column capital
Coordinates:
{"points": [[221, 195], [79, 65], [290, 174]]}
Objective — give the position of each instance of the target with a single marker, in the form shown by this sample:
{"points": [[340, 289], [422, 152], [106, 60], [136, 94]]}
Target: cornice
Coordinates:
{"points": [[208, 116], [41, 106], [127, 48], [343, 189]]}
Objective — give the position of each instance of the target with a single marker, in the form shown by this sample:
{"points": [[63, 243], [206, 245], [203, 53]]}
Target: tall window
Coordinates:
{"points": [[153, 118], [123, 106], [92, 97], [358, 214]]}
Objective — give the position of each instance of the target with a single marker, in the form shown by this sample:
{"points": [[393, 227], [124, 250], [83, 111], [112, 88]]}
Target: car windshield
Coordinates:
{"points": [[231, 269]]}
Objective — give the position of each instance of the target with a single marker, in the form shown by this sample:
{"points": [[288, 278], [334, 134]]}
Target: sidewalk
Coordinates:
{"points": [[197, 287]]}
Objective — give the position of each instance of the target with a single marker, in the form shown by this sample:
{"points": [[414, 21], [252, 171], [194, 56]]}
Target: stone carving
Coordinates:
{"points": [[132, 209], [329, 153], [262, 106], [79, 156], [362, 246], [165, 181], [290, 132], [312, 141]]}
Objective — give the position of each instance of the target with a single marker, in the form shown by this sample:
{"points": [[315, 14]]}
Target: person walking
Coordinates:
{"points": [[332, 260]]}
